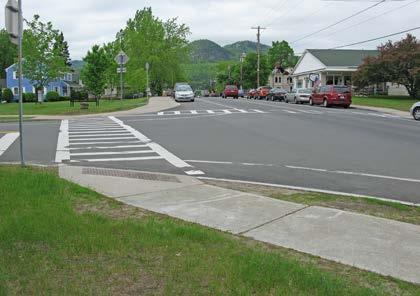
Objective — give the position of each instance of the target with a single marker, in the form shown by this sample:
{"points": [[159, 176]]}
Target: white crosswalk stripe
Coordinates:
{"points": [[201, 112], [91, 141]]}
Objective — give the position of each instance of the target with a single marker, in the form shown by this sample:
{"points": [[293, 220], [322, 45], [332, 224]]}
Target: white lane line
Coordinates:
{"points": [[132, 141], [7, 140], [77, 136], [311, 190], [109, 147], [113, 153], [171, 158], [207, 161], [119, 159], [241, 110], [195, 173], [193, 112], [257, 111], [210, 111], [96, 132], [227, 111], [63, 152], [99, 139], [289, 111], [177, 112], [135, 133], [305, 168]]}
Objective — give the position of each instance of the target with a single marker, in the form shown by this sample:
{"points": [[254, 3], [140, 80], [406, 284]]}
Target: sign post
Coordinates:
{"points": [[121, 60], [14, 26], [147, 66]]}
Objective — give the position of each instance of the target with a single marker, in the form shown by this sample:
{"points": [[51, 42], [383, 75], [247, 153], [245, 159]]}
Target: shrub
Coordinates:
{"points": [[79, 95], [29, 98], [8, 95], [52, 96]]}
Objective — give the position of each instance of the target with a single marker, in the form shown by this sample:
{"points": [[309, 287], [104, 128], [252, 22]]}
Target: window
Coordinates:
{"points": [[330, 80], [299, 83], [276, 79], [57, 89], [14, 75], [16, 91]]}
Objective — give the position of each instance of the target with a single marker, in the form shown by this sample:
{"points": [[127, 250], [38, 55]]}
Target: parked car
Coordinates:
{"points": [[415, 111], [262, 92], [252, 93], [230, 91], [299, 96], [177, 85], [276, 94], [331, 95], [184, 92]]}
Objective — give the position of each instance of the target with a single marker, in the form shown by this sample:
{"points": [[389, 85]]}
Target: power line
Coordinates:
{"points": [[378, 38], [282, 13], [340, 21]]}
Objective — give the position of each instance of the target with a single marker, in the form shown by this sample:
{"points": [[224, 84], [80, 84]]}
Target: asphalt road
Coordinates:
{"points": [[351, 151]]}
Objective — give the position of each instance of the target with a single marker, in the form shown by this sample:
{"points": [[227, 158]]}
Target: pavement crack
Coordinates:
{"points": [[274, 220]]}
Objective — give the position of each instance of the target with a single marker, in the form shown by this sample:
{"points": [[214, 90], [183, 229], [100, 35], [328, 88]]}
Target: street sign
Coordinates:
{"points": [[122, 70], [12, 20], [121, 58]]}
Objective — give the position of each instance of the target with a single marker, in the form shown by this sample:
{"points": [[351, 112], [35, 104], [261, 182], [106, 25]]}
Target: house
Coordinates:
{"points": [[333, 66], [281, 78], [63, 85]]}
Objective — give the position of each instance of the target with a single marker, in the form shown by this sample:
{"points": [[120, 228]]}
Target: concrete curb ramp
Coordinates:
{"points": [[383, 246]]}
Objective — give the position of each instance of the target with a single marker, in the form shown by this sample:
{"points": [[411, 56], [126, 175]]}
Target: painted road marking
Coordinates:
{"points": [[195, 173], [118, 159], [63, 152], [289, 111], [7, 140], [215, 111]]}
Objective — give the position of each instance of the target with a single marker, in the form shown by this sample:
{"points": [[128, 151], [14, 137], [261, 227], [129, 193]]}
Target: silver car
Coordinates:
{"points": [[184, 93], [299, 96], [415, 111]]}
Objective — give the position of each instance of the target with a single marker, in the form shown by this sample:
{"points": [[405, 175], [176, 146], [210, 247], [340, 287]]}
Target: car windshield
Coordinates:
{"points": [[305, 91], [183, 88], [341, 89], [231, 87]]}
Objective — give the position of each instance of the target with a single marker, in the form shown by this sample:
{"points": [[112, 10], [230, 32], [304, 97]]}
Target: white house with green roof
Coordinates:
{"points": [[334, 66]]}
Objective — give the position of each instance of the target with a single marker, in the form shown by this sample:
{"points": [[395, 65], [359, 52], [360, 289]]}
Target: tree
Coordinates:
{"points": [[94, 71], [250, 70], [42, 52], [8, 52], [281, 54], [111, 76], [163, 44], [397, 62], [63, 47]]}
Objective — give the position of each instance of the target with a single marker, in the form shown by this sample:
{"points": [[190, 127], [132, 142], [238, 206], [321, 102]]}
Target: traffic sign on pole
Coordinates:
{"points": [[12, 20], [122, 70], [121, 58]]}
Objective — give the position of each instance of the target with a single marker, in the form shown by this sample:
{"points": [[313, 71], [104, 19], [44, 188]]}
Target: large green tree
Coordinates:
{"points": [[111, 50], [44, 61], [250, 70], [94, 71], [163, 44], [397, 62], [8, 52], [281, 54], [63, 47]]}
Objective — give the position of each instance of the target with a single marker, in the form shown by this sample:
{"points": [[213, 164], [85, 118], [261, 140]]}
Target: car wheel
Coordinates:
{"points": [[311, 102], [416, 113], [325, 103]]}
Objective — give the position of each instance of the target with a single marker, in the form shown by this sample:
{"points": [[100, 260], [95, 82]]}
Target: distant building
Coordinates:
{"points": [[281, 78], [63, 85], [335, 67]]}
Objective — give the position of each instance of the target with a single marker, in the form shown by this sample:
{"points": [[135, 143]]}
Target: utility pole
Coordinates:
{"points": [[259, 28], [147, 66], [242, 59]]}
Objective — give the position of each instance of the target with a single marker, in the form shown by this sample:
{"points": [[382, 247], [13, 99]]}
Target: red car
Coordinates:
{"points": [[262, 92], [251, 94], [331, 95], [231, 91]]}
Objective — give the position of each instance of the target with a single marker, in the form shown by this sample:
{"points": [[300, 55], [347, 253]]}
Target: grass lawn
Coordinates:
{"points": [[59, 238], [398, 103], [373, 207], [63, 108]]}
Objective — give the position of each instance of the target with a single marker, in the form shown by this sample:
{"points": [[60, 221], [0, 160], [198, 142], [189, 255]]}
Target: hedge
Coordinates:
{"points": [[7, 95]]}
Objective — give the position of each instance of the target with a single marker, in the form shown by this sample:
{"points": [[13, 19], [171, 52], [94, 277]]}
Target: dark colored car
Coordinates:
{"points": [[231, 91], [277, 94], [331, 95], [252, 93], [262, 92]]}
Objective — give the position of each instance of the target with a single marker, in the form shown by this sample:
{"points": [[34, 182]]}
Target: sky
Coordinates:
{"points": [[88, 22]]}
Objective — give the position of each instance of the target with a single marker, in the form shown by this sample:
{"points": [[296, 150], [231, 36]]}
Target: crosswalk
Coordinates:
{"points": [[343, 112], [6, 140], [206, 112], [109, 139]]}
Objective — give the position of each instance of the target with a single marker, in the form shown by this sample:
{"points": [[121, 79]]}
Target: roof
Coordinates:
{"points": [[342, 57]]}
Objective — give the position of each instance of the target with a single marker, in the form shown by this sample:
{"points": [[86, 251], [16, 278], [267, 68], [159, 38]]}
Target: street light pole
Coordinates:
{"points": [[243, 55], [147, 80], [20, 71]]}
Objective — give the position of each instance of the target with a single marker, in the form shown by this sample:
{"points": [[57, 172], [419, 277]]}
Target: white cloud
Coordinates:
{"points": [[86, 22]]}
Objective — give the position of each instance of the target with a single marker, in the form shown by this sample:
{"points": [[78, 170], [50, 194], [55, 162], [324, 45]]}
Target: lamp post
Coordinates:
{"points": [[147, 66], [242, 59]]}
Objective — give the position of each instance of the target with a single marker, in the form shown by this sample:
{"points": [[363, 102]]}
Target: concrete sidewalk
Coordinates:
{"points": [[384, 246], [384, 110], [156, 104]]}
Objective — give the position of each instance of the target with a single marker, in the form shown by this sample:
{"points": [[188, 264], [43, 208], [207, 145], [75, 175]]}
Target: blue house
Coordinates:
{"points": [[63, 85]]}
